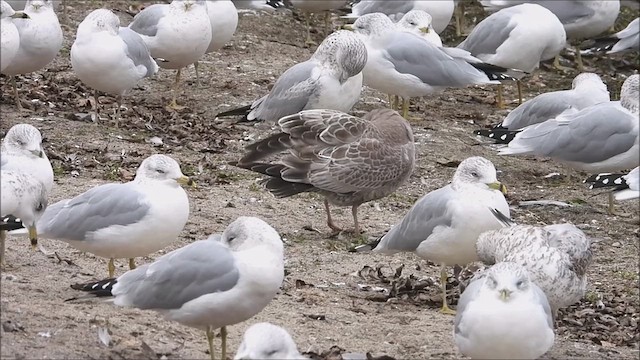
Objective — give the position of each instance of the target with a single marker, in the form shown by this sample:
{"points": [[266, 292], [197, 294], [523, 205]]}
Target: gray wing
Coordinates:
{"points": [[568, 12], [489, 34], [137, 50], [200, 268], [629, 37], [385, 7], [467, 296], [146, 21], [410, 54], [98, 208], [418, 224], [593, 134], [541, 108], [542, 300], [289, 95]]}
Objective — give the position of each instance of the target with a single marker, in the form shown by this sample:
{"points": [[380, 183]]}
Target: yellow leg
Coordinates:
{"points": [[3, 236], [556, 64], [327, 19], [195, 65], [443, 282], [15, 93], [612, 208], [459, 16], [519, 84], [111, 267], [223, 335], [210, 341], [176, 86], [132, 264], [579, 65], [500, 101], [405, 108], [309, 42]]}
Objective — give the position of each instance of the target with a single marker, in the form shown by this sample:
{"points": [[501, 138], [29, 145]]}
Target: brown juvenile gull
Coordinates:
{"points": [[443, 225], [556, 256], [349, 160]]}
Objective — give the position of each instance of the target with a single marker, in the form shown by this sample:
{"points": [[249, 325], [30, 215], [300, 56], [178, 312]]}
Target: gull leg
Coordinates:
{"points": [[519, 84], [111, 267], [210, 341], [176, 86], [556, 64], [15, 93], [223, 335], [308, 42], [459, 15], [132, 264], [330, 222], [195, 65], [500, 101], [118, 104], [354, 213], [3, 236], [327, 17], [405, 107], [443, 282], [612, 208], [580, 65]]}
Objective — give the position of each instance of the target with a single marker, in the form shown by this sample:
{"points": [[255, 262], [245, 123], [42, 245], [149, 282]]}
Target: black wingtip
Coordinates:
{"points": [[100, 288], [607, 180], [10, 223], [499, 134], [504, 219], [244, 111], [494, 72]]}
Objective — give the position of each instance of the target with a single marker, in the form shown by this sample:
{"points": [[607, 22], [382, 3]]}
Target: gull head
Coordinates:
{"points": [[417, 20], [345, 51], [373, 25], [629, 93], [267, 341], [161, 168], [248, 232], [478, 171], [590, 82], [38, 5], [507, 281], [102, 20], [32, 199], [6, 11], [24, 139]]}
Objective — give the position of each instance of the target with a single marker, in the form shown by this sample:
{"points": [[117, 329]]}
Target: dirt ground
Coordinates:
{"points": [[331, 298]]}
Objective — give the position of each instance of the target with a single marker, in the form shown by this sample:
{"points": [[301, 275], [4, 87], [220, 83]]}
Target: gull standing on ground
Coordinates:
{"points": [[124, 220], [24, 197], [443, 225], [586, 89], [311, 7], [108, 57], [9, 36], [625, 39], [599, 138], [208, 284], [349, 160], [330, 79], [265, 341], [623, 187], [403, 64], [179, 33], [22, 151], [581, 19], [40, 41], [503, 314], [518, 37], [440, 10], [223, 17], [555, 256]]}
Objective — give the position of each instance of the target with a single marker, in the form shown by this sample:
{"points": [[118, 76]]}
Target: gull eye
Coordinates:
{"points": [[160, 171], [520, 283], [412, 23], [474, 174], [39, 207]]}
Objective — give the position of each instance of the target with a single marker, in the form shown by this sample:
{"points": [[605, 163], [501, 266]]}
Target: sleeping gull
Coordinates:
{"points": [[223, 17], [625, 39], [349, 160], [9, 37], [331, 79], [208, 284], [420, 23], [24, 197], [265, 341], [443, 225], [179, 33], [503, 314], [581, 19], [40, 41], [441, 11], [623, 187], [599, 138], [123, 220], [555, 256], [518, 37], [108, 57], [22, 151], [403, 64], [586, 89], [311, 7]]}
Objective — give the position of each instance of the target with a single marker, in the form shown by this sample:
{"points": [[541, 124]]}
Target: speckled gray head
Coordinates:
{"points": [[345, 51], [417, 19], [102, 19], [477, 171], [374, 24], [587, 78], [160, 168], [23, 139], [507, 279], [246, 232], [38, 5], [24, 197], [264, 341], [629, 93]]}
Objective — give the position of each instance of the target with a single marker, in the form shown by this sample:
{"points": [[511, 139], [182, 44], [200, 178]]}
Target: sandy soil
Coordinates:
{"points": [[322, 302]]}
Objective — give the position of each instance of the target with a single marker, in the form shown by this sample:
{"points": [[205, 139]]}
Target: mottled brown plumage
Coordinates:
{"points": [[349, 160]]}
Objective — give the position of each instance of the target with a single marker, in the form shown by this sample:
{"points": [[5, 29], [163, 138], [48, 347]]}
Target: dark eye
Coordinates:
{"points": [[39, 207], [412, 23], [271, 353], [160, 171], [475, 174], [520, 283]]}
